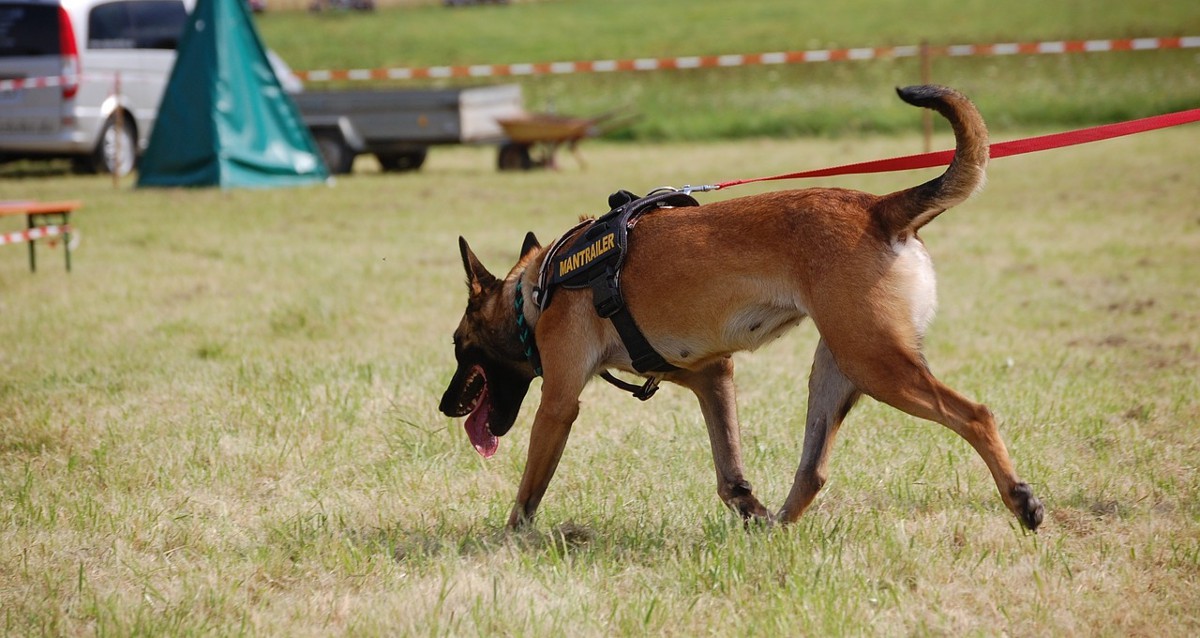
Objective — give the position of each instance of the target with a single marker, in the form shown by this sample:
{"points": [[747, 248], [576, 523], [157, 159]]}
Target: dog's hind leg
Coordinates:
{"points": [[713, 386], [830, 397], [899, 377]]}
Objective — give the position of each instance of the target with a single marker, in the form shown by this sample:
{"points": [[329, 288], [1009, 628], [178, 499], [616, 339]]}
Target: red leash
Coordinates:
{"points": [[1002, 149]]}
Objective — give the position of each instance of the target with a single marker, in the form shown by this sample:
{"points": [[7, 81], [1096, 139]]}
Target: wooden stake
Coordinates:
{"points": [[927, 78], [117, 131]]}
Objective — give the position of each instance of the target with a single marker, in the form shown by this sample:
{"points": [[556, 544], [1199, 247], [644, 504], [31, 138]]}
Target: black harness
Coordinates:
{"points": [[593, 259]]}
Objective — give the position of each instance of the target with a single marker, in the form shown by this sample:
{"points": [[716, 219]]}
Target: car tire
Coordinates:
{"points": [[401, 162], [339, 158], [113, 140]]}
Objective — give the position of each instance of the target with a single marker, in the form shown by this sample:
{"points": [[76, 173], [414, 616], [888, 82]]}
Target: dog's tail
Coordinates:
{"points": [[903, 212]]}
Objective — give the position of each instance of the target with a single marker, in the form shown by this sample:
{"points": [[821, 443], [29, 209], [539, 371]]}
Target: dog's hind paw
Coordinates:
{"points": [[1027, 506], [765, 522], [751, 511]]}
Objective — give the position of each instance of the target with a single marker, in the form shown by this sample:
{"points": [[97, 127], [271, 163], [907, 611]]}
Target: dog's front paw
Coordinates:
{"points": [[520, 517], [1027, 507]]}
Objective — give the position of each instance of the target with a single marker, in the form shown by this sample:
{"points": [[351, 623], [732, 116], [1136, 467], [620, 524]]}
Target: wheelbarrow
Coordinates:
{"points": [[534, 138]]}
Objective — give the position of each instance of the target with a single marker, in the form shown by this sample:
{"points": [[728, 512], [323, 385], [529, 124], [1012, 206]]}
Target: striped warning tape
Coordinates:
{"points": [[700, 61], [13, 84], [37, 83], [34, 233], [751, 59]]}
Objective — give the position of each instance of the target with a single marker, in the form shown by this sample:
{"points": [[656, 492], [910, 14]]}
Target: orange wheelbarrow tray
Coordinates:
{"points": [[546, 132]]}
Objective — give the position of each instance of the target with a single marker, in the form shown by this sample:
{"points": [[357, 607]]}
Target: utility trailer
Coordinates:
{"points": [[398, 126]]}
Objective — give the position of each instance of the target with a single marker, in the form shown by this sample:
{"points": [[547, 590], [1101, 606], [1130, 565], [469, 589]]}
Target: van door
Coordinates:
{"points": [[160, 25], [29, 48], [136, 39]]}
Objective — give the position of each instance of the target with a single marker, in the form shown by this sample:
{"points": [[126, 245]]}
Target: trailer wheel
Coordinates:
{"points": [[402, 161], [339, 157], [514, 157]]}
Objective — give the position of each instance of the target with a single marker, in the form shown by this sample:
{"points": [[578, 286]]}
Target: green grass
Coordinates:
{"points": [[822, 98], [224, 420]]}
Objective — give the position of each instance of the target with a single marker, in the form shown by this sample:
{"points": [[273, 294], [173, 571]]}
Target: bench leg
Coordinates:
{"points": [[32, 253]]}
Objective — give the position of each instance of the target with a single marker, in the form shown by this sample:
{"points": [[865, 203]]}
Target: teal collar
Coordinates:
{"points": [[524, 333]]}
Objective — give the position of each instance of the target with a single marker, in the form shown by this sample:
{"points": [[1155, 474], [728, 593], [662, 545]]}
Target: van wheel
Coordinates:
{"points": [[339, 158], [116, 150]]}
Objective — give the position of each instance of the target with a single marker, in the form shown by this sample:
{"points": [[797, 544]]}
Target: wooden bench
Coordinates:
{"points": [[42, 219]]}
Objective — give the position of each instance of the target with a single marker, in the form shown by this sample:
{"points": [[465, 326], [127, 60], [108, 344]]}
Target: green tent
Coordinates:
{"points": [[224, 119]]}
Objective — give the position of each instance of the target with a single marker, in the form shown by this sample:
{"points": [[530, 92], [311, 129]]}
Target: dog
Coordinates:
{"points": [[703, 282]]}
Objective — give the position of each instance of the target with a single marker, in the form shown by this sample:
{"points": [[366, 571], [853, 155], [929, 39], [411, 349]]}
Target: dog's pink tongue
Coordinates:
{"points": [[481, 437]]}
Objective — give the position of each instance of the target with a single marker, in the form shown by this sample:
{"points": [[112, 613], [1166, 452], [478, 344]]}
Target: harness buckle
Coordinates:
{"points": [[640, 392], [606, 295], [647, 390]]}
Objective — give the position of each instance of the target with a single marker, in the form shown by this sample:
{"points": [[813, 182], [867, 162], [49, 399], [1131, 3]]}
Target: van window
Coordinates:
{"points": [[28, 30], [143, 24]]}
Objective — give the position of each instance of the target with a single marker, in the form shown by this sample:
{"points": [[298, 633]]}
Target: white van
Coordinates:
{"points": [[113, 57]]}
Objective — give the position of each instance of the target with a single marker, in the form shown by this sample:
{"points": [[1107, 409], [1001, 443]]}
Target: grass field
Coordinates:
{"points": [[1016, 92], [224, 420]]}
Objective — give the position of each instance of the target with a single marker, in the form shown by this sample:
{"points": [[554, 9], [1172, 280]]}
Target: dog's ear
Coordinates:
{"points": [[477, 276], [530, 244]]}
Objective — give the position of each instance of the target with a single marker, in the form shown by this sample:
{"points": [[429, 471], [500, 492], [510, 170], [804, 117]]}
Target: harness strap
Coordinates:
{"points": [[541, 292], [606, 296], [529, 343], [640, 392], [594, 253]]}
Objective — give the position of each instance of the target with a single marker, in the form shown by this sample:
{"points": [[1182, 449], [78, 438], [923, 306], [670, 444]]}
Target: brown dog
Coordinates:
{"points": [[752, 269]]}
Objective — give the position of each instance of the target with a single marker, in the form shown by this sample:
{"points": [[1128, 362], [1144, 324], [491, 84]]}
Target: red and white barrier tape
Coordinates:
{"points": [[34, 233], [66, 80], [779, 57], [700, 61], [37, 83]]}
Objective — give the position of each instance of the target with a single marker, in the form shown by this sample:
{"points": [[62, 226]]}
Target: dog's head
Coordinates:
{"points": [[493, 374]]}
